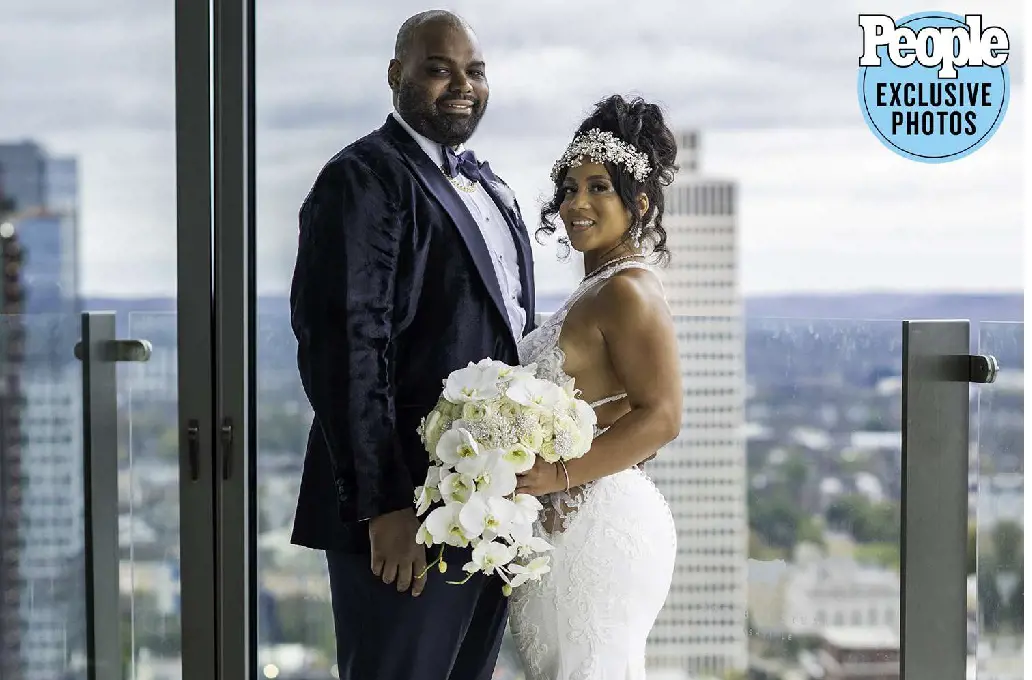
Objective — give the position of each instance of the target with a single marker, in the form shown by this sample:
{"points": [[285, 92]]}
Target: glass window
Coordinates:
{"points": [[87, 223], [786, 225]]}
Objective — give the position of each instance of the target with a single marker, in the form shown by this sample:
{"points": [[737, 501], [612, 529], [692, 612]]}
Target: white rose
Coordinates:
{"points": [[432, 429], [532, 435], [548, 452]]}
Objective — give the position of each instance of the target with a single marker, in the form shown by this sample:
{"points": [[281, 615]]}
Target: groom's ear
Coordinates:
{"points": [[394, 75]]}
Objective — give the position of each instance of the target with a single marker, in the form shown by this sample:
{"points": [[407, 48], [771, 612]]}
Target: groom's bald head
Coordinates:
{"points": [[414, 25]]}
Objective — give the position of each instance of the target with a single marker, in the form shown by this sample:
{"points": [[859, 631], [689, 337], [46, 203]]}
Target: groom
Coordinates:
{"points": [[413, 261]]}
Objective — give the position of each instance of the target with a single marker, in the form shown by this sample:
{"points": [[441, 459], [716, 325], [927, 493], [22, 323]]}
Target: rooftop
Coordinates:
{"points": [[861, 637]]}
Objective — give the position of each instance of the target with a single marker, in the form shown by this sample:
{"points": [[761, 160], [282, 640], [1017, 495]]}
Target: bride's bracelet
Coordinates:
{"points": [[565, 474]]}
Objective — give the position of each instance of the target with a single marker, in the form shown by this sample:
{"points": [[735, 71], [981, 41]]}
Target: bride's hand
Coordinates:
{"points": [[542, 479]]}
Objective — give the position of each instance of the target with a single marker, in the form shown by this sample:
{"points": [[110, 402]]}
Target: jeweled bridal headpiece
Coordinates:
{"points": [[603, 147]]}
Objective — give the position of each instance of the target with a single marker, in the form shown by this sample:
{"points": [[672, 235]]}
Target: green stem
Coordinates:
{"points": [[459, 583], [440, 557]]}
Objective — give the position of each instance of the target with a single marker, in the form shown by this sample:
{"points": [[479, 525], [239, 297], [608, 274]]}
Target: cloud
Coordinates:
{"points": [[730, 65], [96, 80], [831, 209], [69, 67]]}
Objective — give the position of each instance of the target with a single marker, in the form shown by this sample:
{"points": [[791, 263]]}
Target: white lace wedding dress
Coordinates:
{"points": [[615, 544]]}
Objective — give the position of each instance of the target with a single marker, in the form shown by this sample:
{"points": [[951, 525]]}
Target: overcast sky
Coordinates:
{"points": [[771, 86]]}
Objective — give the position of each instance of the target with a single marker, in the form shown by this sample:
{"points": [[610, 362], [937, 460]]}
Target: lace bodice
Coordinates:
{"points": [[541, 346]]}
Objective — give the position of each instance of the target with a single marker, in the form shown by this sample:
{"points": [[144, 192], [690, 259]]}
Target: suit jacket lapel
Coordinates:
{"points": [[434, 179]]}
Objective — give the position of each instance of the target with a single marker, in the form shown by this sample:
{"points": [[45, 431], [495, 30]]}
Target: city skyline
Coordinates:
{"points": [[824, 207], [793, 422]]}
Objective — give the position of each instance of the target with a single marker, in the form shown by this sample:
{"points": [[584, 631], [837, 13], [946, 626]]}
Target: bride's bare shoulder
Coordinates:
{"points": [[633, 295]]}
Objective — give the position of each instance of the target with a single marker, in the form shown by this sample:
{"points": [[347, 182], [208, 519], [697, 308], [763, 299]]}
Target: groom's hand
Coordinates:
{"points": [[396, 557]]}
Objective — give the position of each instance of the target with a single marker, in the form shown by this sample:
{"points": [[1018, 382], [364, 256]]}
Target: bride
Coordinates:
{"points": [[614, 536]]}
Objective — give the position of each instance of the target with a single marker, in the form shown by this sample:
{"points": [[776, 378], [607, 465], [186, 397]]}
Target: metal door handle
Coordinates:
{"points": [[118, 350], [193, 448], [226, 439]]}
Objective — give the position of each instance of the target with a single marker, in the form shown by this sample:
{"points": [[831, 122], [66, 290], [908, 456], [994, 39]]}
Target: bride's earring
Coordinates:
{"points": [[562, 248], [639, 228]]}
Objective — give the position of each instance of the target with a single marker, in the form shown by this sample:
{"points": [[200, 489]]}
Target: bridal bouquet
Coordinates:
{"points": [[489, 424]]}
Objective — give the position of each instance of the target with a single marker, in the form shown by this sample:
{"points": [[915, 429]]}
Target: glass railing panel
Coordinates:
{"points": [[295, 622], [996, 581], [42, 507], [784, 483], [149, 499], [823, 444]]}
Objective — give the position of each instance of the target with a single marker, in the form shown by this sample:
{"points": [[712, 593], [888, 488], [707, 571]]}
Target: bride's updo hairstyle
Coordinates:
{"points": [[640, 125]]}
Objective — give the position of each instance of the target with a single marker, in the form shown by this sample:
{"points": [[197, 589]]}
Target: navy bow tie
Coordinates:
{"points": [[464, 163]]}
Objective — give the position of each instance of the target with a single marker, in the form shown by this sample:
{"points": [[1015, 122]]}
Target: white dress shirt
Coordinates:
{"points": [[492, 225]]}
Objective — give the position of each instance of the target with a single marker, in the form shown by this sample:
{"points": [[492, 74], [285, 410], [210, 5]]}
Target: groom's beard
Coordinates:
{"points": [[427, 118]]}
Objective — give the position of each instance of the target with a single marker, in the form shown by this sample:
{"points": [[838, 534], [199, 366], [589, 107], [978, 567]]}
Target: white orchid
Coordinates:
{"points": [[493, 475], [528, 506], [490, 556], [423, 536], [473, 383], [457, 445], [521, 535], [428, 493], [444, 526], [457, 487], [532, 571], [533, 392], [487, 516], [505, 371], [535, 545]]}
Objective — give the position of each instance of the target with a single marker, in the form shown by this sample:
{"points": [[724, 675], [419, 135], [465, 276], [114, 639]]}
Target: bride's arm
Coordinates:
{"points": [[642, 344]]}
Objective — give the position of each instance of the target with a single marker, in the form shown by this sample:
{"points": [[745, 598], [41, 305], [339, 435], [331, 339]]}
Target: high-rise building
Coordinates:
{"points": [[23, 174], [702, 628], [50, 279], [12, 355], [62, 198], [41, 195]]}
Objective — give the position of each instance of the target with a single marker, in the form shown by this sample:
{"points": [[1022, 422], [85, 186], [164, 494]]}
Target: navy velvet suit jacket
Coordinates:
{"points": [[393, 289]]}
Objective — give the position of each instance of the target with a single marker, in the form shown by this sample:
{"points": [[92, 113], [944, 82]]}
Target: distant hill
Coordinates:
{"points": [[266, 304], [789, 339], [129, 305], [895, 306]]}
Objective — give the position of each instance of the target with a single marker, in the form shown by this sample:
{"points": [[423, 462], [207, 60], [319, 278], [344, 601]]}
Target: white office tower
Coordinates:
{"points": [[701, 629]]}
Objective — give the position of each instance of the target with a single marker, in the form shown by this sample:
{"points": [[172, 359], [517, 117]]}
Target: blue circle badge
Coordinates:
{"points": [[933, 86]]}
